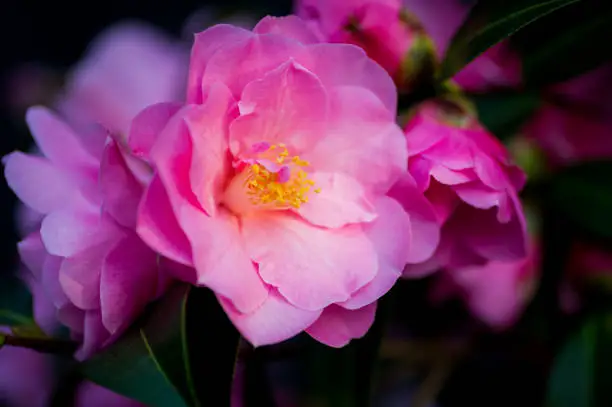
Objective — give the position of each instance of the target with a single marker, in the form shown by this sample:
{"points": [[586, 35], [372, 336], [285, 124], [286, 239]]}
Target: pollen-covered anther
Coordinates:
{"points": [[284, 184]]}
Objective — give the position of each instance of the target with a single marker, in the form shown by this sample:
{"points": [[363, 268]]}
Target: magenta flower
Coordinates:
{"points": [[467, 175], [381, 27], [496, 293], [272, 181], [92, 265]]}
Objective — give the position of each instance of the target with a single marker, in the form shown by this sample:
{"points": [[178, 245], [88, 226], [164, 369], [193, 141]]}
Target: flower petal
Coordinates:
{"points": [[56, 140], [362, 141], [128, 282], [38, 183], [220, 260], [208, 128], [205, 45], [147, 125], [310, 266], [244, 61], [33, 253], [337, 326], [79, 276], [289, 26], [121, 191], [275, 321], [158, 226], [341, 201], [391, 235], [329, 63], [288, 105], [423, 220]]}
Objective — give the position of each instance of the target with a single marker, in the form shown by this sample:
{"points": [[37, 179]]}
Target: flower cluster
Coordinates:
{"points": [[281, 180]]}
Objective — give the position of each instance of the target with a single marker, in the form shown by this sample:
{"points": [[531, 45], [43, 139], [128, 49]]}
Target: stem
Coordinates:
{"points": [[43, 345]]}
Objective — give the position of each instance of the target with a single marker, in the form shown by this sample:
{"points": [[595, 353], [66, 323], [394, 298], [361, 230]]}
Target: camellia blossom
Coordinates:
{"points": [[497, 292], [272, 179], [383, 28], [467, 175], [92, 265]]}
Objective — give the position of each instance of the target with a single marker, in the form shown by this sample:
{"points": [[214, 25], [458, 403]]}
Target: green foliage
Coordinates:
{"points": [[489, 22]]}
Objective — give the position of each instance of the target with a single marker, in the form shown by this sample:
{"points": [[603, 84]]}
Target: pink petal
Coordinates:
{"points": [[275, 321], [289, 26], [478, 195], [490, 238], [450, 177], [50, 282], [172, 156], [147, 125], [128, 282], [288, 105], [210, 164], [33, 253], [158, 226], [329, 61], [391, 235], [423, 220], [337, 326], [205, 45], [69, 231], [242, 62], [94, 336], [129, 67], [341, 201], [79, 276], [56, 140], [38, 183], [310, 266], [121, 192], [220, 259], [362, 141]]}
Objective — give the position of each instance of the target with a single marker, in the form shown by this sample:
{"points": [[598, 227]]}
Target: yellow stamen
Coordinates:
{"points": [[267, 188]]}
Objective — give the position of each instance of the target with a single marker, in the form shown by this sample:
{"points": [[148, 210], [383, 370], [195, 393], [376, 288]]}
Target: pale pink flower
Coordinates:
{"points": [[127, 67], [497, 292], [93, 267], [272, 180], [381, 27], [467, 175]]}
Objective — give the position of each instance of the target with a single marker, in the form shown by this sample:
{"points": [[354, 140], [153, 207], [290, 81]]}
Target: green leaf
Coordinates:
{"points": [[583, 194], [489, 22], [504, 113], [181, 351], [582, 372], [566, 47]]}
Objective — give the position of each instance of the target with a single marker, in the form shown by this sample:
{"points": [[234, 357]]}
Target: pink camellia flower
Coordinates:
{"points": [[92, 265], [467, 175], [272, 182], [496, 293], [383, 28]]}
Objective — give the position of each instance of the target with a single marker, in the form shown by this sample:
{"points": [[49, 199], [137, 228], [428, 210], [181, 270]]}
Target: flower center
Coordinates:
{"points": [[278, 178], [272, 179]]}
